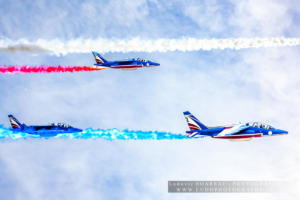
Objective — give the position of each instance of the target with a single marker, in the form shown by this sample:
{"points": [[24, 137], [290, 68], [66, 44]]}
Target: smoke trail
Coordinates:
{"points": [[45, 69], [141, 45], [26, 48], [110, 134]]}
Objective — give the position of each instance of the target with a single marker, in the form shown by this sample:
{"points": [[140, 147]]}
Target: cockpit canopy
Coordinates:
{"points": [[140, 59], [62, 125], [259, 125]]}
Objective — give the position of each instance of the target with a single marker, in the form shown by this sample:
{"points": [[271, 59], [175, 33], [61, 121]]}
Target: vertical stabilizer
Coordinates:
{"points": [[14, 122], [99, 59]]}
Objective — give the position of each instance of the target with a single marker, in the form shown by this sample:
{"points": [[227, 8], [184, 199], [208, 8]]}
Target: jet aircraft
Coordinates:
{"points": [[129, 64], [44, 130], [241, 131]]}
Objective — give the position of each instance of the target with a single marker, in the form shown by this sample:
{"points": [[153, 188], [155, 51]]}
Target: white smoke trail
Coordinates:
{"points": [[102, 45]]}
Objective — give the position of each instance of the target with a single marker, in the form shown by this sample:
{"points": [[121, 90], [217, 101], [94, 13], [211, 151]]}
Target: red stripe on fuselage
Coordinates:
{"points": [[228, 127], [238, 136], [126, 66]]}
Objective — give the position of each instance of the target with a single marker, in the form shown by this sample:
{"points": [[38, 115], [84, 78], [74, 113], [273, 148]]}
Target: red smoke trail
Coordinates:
{"points": [[12, 69]]}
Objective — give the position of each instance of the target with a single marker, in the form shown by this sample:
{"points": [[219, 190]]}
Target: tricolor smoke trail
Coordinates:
{"points": [[103, 45], [110, 134], [44, 69]]}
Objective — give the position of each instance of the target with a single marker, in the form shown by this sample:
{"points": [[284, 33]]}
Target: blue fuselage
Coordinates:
{"points": [[128, 64], [48, 130], [248, 132]]}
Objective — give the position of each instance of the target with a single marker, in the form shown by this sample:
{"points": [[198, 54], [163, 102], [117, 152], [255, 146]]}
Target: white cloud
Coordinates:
{"points": [[263, 18], [207, 14]]}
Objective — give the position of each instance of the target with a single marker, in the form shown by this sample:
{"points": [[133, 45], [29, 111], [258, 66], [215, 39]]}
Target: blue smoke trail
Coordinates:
{"points": [[109, 134]]}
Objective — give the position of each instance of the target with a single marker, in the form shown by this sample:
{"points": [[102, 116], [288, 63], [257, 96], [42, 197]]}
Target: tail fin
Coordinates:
{"points": [[193, 123], [99, 59], [14, 122]]}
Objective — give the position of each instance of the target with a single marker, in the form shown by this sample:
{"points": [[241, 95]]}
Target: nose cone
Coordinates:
{"points": [[278, 131], [154, 64], [77, 130]]}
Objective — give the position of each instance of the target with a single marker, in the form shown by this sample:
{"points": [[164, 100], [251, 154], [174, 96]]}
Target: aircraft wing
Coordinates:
{"points": [[232, 130]]}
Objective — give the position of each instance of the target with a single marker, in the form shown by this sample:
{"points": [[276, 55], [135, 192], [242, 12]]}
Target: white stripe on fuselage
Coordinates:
{"points": [[234, 129], [193, 134]]}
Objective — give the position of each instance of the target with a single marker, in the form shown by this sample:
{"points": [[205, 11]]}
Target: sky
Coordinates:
{"points": [[218, 86]]}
